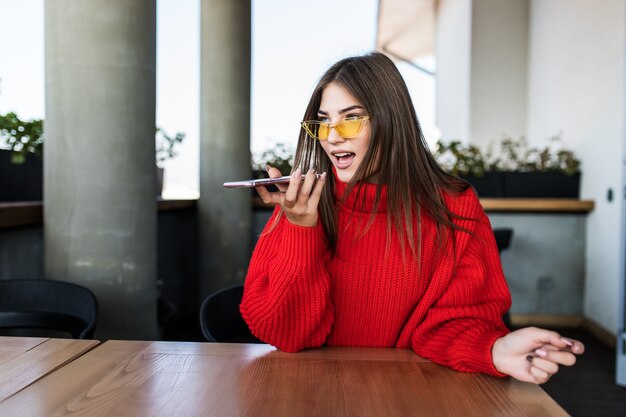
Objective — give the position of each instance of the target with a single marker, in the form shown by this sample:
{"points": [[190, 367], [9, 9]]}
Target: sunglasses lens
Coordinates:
{"points": [[349, 129], [323, 131]]}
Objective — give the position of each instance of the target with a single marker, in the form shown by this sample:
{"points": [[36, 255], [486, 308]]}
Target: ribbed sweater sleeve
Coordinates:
{"points": [[286, 299], [469, 297]]}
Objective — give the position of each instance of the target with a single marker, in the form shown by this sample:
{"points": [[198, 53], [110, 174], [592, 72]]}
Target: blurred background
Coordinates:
{"points": [[507, 92]]}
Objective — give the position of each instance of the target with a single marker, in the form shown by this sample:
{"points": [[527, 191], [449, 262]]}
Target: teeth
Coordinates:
{"points": [[341, 155]]}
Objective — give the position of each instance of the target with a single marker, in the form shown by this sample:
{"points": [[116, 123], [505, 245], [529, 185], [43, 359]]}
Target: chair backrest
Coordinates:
{"points": [[220, 319], [503, 237], [48, 305]]}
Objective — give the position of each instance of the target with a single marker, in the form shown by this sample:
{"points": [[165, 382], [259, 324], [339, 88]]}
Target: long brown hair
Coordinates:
{"points": [[397, 151]]}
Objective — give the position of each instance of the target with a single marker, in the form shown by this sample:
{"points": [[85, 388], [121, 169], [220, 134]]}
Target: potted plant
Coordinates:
{"points": [[21, 153], [165, 150], [278, 156], [469, 163], [548, 172], [512, 168], [21, 165]]}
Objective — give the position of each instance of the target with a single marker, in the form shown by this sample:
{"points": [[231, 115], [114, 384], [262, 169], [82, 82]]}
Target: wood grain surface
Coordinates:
{"points": [[541, 205], [134, 378], [24, 360]]}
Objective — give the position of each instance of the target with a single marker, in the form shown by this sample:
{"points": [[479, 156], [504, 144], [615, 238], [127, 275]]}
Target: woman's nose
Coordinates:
{"points": [[333, 136]]}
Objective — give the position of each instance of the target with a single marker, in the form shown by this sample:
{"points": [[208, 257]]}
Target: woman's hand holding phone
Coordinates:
{"points": [[299, 199]]}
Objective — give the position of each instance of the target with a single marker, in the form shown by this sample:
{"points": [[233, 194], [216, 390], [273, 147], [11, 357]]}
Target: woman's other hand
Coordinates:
{"points": [[534, 355], [299, 199]]}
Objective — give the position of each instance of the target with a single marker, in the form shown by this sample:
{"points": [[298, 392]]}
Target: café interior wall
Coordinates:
{"points": [[576, 87], [481, 52], [452, 51], [21, 253], [499, 62]]}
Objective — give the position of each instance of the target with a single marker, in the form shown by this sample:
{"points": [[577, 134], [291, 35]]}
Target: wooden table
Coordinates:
{"points": [[134, 378], [24, 360]]}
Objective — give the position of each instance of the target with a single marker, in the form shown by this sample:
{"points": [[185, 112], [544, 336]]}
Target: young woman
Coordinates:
{"points": [[384, 249]]}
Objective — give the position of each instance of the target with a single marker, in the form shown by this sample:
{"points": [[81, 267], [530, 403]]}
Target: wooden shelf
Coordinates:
{"points": [[536, 205], [20, 214], [511, 205], [173, 205], [30, 213]]}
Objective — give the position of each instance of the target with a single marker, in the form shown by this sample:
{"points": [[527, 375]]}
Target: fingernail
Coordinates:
{"points": [[297, 172], [529, 358], [311, 170], [541, 353], [267, 168], [567, 341]]}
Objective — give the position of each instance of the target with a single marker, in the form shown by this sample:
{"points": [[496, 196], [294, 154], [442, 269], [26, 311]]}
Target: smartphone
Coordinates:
{"points": [[261, 181]]}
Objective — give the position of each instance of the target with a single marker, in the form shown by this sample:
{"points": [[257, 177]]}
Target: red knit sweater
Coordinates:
{"points": [[297, 296]]}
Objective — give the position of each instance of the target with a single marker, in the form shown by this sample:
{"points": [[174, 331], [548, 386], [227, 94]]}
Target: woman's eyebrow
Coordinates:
{"points": [[347, 109]]}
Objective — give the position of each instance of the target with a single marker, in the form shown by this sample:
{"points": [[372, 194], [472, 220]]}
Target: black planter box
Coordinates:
{"points": [[541, 185], [20, 182], [489, 185]]}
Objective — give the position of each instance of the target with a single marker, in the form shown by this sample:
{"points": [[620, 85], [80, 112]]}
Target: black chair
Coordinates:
{"points": [[503, 241], [48, 305], [503, 237], [220, 319]]}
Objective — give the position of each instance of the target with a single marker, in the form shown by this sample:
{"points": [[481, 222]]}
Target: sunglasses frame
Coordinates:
{"points": [[305, 125]]}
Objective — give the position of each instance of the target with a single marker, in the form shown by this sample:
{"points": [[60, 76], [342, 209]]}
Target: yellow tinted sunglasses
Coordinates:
{"points": [[347, 129]]}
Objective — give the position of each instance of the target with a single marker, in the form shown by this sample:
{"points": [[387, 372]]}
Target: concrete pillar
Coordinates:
{"points": [[225, 142], [99, 189], [482, 69]]}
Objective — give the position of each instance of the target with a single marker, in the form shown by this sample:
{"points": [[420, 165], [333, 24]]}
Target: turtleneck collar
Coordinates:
{"points": [[362, 196]]}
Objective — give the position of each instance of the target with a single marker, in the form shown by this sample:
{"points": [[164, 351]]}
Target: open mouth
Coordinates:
{"points": [[344, 159]]}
